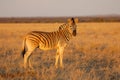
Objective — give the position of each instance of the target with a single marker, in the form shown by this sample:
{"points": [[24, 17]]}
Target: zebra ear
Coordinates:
{"points": [[76, 20]]}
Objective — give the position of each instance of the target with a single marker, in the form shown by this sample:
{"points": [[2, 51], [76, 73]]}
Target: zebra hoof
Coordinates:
{"points": [[31, 68], [56, 66], [61, 67]]}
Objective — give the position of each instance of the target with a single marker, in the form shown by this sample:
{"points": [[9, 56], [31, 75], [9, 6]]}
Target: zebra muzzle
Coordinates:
{"points": [[74, 33]]}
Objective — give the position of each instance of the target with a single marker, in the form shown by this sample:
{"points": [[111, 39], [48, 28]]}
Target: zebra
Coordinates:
{"points": [[49, 40]]}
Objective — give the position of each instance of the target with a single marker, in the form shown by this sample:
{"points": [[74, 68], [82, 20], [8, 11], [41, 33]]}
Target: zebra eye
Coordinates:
{"points": [[70, 26]]}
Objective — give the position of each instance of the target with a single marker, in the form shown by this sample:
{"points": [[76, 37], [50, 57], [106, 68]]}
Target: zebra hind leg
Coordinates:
{"points": [[29, 62], [26, 59]]}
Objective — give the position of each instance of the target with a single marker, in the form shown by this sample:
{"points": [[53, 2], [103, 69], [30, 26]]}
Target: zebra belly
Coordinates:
{"points": [[47, 48], [43, 47]]}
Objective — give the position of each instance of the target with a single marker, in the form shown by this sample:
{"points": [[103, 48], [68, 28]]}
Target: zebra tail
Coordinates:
{"points": [[23, 48]]}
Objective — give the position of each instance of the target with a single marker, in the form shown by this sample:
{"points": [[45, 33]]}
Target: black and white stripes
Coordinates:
{"points": [[49, 40]]}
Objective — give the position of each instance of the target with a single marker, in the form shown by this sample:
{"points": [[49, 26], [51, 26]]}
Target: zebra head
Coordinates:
{"points": [[72, 26]]}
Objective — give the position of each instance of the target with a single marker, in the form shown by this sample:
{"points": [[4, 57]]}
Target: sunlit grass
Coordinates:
{"points": [[94, 54]]}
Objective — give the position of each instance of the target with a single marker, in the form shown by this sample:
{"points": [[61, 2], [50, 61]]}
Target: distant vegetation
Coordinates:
{"points": [[58, 19]]}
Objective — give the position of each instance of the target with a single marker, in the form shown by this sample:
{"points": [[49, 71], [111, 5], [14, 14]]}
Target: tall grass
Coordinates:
{"points": [[94, 54]]}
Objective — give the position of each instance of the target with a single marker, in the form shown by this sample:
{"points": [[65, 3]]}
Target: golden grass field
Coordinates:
{"points": [[94, 54]]}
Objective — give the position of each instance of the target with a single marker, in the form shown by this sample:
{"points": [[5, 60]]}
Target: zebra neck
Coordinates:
{"points": [[66, 34], [63, 26]]}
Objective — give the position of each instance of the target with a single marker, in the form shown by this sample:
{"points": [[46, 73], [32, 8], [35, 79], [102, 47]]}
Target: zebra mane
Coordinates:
{"points": [[63, 26]]}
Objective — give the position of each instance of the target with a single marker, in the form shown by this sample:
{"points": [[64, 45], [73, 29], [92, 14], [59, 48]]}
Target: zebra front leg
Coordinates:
{"points": [[61, 57], [57, 57]]}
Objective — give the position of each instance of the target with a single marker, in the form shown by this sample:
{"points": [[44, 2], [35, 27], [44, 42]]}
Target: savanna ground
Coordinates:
{"points": [[94, 54]]}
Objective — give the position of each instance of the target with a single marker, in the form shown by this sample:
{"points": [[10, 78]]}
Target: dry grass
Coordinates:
{"points": [[93, 55]]}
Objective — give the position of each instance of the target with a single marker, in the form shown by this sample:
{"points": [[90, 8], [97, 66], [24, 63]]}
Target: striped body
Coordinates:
{"points": [[43, 40], [48, 40]]}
